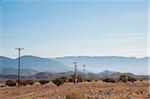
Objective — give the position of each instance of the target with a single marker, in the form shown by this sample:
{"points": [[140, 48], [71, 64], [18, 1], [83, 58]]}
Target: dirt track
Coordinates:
{"points": [[89, 90]]}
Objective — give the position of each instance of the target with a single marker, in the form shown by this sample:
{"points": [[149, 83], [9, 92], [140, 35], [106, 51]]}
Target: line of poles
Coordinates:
{"points": [[75, 68], [76, 72]]}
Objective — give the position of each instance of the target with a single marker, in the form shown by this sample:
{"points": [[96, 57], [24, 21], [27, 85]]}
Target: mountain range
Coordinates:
{"points": [[33, 64], [53, 75], [114, 63]]}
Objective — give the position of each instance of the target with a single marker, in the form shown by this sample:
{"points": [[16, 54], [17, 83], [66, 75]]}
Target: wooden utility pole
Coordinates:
{"points": [[75, 72], [84, 71], [18, 76]]}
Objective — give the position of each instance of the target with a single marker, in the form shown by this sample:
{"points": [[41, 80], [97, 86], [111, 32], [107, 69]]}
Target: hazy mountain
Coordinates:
{"points": [[93, 64], [32, 62], [14, 71], [106, 73], [113, 63], [45, 75], [94, 76], [6, 62]]}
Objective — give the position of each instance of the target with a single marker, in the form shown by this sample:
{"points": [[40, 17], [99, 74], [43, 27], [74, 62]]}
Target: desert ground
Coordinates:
{"points": [[88, 90]]}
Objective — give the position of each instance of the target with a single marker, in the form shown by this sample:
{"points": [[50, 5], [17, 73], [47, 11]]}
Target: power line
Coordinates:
{"points": [[18, 76]]}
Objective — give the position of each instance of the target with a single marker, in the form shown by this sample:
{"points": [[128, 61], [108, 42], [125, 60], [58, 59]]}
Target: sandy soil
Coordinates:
{"points": [[89, 90]]}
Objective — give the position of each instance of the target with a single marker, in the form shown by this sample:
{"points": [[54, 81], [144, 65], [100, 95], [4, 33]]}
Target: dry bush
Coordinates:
{"points": [[125, 78], [79, 78], [109, 80], [70, 80], [132, 79], [26, 82], [59, 81], [88, 80], [2, 85], [10, 83], [42, 82], [73, 95], [96, 80]]}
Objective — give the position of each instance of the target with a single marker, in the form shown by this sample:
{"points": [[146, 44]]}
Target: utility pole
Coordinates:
{"points": [[18, 77], [84, 71], [75, 72], [106, 73], [65, 75]]}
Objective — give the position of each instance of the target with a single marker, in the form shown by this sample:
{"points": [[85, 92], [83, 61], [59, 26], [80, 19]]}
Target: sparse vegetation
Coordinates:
{"points": [[10, 83], [126, 78], [93, 90], [131, 79], [70, 80], [88, 80], [123, 78], [42, 82], [26, 82], [2, 86], [59, 81], [79, 78], [109, 80]]}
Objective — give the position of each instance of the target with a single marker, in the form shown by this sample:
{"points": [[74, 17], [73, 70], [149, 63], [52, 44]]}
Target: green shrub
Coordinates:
{"points": [[60, 81], [10, 83], [109, 80], [42, 82], [73, 95]]}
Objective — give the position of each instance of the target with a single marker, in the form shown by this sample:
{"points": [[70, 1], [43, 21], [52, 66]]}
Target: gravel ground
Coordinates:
{"points": [[88, 90]]}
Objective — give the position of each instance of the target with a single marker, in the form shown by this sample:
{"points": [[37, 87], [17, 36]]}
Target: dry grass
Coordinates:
{"points": [[88, 90], [73, 95]]}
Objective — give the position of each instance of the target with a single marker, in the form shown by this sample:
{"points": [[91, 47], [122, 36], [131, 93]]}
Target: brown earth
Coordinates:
{"points": [[89, 90]]}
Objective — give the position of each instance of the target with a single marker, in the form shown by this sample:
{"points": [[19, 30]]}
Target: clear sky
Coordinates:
{"points": [[67, 28]]}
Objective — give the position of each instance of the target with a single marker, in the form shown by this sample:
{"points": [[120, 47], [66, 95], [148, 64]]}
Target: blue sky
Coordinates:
{"points": [[68, 28]]}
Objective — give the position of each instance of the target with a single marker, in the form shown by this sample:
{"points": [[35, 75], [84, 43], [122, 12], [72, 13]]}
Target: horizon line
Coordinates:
{"points": [[77, 56]]}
